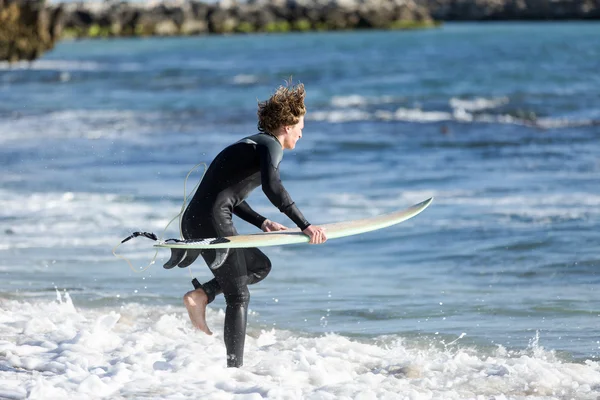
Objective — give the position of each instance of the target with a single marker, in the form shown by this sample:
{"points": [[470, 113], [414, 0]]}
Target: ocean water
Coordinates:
{"points": [[491, 293]]}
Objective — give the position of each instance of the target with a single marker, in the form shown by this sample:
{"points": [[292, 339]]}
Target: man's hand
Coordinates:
{"points": [[270, 226], [316, 234]]}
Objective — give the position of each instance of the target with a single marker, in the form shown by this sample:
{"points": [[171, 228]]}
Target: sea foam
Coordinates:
{"points": [[53, 349]]}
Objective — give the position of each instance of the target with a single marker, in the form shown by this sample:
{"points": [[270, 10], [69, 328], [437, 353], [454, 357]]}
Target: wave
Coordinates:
{"points": [[458, 115], [478, 103], [535, 208], [354, 108], [245, 79], [88, 124], [63, 219], [78, 220], [51, 65], [358, 100], [129, 125], [69, 65], [153, 352]]}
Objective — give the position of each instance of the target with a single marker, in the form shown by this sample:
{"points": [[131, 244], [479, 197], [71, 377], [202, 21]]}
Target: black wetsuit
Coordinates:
{"points": [[233, 174]]}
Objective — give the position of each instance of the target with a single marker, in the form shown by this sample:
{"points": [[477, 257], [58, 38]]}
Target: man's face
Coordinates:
{"points": [[293, 134]]}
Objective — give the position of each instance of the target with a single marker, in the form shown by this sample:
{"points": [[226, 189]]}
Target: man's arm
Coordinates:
{"points": [[245, 212], [274, 190]]}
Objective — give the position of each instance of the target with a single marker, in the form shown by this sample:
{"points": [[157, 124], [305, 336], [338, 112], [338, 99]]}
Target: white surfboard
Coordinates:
{"points": [[291, 236]]}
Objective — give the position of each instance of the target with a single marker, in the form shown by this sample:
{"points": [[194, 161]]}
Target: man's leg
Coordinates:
{"points": [[232, 277], [195, 301], [258, 265]]}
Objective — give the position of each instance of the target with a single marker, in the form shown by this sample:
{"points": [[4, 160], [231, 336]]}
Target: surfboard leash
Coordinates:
{"points": [[149, 235], [153, 236]]}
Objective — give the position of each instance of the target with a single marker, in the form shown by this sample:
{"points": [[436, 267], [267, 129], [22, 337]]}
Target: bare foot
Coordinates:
{"points": [[195, 301]]}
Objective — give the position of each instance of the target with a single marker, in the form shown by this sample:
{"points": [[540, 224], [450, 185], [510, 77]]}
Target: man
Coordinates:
{"points": [[233, 174]]}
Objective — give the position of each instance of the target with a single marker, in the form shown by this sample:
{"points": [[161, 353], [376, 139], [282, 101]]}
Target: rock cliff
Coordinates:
{"points": [[27, 29]]}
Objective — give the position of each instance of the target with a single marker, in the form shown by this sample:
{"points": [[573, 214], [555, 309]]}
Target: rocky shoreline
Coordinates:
{"points": [[110, 19], [30, 27]]}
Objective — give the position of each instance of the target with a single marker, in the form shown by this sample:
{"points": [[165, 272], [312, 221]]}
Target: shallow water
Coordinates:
{"points": [[490, 292]]}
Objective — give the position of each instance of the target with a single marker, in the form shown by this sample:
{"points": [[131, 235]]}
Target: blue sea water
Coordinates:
{"points": [[500, 122]]}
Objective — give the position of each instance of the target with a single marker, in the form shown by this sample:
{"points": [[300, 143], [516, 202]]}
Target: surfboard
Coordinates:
{"points": [[292, 236]]}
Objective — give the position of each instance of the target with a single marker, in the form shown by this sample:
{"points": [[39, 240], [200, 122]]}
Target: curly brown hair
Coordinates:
{"points": [[284, 108]]}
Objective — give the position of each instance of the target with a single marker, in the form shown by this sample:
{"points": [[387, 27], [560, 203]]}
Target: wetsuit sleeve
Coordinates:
{"points": [[245, 212], [273, 188]]}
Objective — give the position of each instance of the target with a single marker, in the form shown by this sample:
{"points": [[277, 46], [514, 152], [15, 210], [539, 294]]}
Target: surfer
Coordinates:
{"points": [[234, 173]]}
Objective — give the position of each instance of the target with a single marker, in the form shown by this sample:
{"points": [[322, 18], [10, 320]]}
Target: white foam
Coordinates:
{"points": [[51, 65], [69, 66], [339, 116], [349, 101], [356, 100], [245, 79], [60, 220], [417, 115], [478, 103], [401, 114], [352, 108], [53, 349], [72, 124]]}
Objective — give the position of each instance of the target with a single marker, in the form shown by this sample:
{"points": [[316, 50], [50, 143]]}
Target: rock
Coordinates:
{"points": [[482, 10], [166, 27], [193, 27], [221, 20], [27, 29]]}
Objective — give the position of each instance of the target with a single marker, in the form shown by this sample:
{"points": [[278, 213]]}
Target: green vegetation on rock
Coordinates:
{"points": [[408, 24], [278, 26]]}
